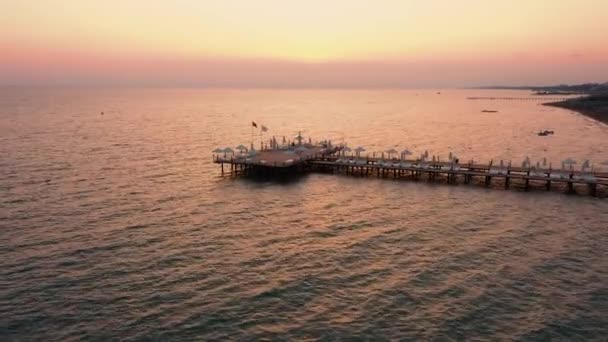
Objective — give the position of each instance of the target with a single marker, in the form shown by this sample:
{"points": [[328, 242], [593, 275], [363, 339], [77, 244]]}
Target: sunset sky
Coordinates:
{"points": [[303, 43]]}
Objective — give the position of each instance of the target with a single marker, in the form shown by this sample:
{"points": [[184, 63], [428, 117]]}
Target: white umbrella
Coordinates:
{"points": [[241, 148], [218, 150], [391, 151], [568, 161], [346, 149], [299, 138], [358, 150]]}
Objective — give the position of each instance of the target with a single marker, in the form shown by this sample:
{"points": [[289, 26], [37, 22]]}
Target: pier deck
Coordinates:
{"points": [[279, 158]]}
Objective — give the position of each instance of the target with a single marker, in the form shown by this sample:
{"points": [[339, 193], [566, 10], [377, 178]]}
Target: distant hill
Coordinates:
{"points": [[595, 105], [585, 88]]}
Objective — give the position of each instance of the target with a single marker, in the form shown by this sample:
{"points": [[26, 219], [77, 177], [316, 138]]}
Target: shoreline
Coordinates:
{"points": [[592, 106]]}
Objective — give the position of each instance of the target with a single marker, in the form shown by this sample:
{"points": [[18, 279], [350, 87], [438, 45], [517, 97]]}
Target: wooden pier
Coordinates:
{"points": [[330, 160]]}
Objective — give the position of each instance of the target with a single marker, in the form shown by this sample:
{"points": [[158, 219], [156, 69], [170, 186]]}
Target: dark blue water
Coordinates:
{"points": [[118, 226]]}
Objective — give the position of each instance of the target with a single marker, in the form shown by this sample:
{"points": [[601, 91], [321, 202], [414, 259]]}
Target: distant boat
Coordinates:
{"points": [[489, 111], [545, 133]]}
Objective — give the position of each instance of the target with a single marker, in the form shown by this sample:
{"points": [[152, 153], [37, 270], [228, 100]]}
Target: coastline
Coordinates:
{"points": [[594, 106]]}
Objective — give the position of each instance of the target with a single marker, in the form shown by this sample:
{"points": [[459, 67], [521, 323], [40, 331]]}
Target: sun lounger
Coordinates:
{"points": [[559, 175]]}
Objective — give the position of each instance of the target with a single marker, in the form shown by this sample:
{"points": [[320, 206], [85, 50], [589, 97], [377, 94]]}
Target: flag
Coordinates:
{"points": [[254, 124], [264, 128]]}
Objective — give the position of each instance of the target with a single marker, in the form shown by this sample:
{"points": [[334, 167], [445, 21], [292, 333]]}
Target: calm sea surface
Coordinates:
{"points": [[118, 226]]}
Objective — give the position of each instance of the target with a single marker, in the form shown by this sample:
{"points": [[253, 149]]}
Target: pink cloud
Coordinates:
{"points": [[65, 67]]}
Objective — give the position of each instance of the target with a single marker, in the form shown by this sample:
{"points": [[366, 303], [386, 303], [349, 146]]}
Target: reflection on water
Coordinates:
{"points": [[119, 225]]}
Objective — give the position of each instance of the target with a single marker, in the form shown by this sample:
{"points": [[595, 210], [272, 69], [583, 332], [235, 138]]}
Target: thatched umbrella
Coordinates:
{"points": [[358, 151], [241, 148], [405, 152], [228, 150]]}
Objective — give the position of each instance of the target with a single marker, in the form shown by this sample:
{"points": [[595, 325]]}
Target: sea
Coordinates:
{"points": [[115, 224]]}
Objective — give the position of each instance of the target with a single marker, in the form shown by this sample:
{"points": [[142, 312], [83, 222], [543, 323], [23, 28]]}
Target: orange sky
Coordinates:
{"points": [[303, 43]]}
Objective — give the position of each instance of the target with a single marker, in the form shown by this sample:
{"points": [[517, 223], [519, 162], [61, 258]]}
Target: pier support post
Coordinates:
{"points": [[222, 164], [593, 189]]}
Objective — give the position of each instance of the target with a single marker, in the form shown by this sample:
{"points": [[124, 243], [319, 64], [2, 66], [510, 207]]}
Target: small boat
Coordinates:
{"points": [[545, 133], [489, 111]]}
